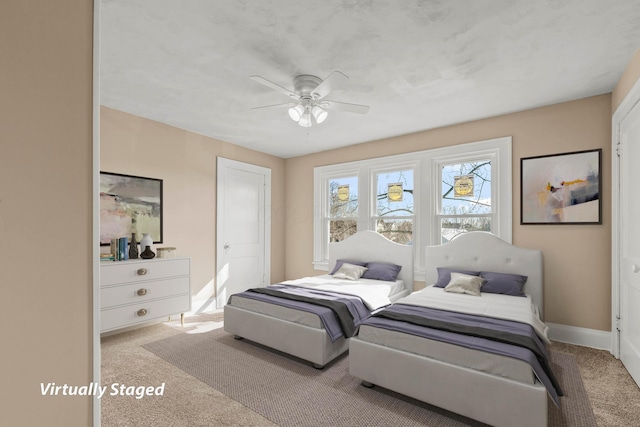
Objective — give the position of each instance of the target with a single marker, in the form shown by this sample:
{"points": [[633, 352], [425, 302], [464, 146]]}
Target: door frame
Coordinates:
{"points": [[223, 163], [628, 103], [95, 229]]}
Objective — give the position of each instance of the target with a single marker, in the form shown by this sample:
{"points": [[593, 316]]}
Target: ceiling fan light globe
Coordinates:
{"points": [[296, 112], [305, 120], [319, 114]]}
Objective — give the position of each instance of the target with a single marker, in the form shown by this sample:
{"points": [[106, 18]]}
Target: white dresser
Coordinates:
{"points": [[137, 291]]}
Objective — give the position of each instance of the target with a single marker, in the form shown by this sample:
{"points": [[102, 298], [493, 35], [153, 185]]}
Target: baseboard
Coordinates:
{"points": [[580, 336]]}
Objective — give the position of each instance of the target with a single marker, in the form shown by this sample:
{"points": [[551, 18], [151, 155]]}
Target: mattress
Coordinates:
{"points": [[519, 309], [375, 293], [471, 358], [393, 291]]}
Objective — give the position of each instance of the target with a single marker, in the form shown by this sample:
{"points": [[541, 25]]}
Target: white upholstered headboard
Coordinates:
{"points": [[482, 251], [371, 246]]}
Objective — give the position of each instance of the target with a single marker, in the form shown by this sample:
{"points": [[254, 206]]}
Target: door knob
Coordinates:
{"points": [[635, 268], [226, 246]]}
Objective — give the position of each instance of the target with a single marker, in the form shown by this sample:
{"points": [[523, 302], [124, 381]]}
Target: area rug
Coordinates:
{"points": [[290, 392]]}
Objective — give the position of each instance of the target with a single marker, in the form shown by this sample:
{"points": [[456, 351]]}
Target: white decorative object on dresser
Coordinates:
{"points": [[140, 290]]}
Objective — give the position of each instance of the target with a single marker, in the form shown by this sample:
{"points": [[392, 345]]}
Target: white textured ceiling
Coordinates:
{"points": [[418, 64]]}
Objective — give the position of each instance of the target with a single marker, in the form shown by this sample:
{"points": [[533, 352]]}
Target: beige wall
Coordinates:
{"points": [[629, 78], [186, 162], [577, 257], [45, 209]]}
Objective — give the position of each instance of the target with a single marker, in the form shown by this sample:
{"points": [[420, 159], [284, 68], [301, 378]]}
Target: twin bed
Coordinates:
{"points": [[301, 333], [492, 387]]}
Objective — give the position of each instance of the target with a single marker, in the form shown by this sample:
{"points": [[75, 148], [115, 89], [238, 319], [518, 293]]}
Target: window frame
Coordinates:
{"points": [[327, 208], [427, 190], [499, 192], [321, 178]]}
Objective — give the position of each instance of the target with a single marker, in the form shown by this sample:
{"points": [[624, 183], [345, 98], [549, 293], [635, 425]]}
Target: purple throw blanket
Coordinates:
{"points": [[340, 314], [497, 336]]}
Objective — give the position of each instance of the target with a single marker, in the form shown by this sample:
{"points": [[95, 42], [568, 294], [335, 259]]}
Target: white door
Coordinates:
{"points": [[629, 260], [243, 228]]}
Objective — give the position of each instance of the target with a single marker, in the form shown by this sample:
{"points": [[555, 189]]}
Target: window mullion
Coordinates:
{"points": [[364, 203]]}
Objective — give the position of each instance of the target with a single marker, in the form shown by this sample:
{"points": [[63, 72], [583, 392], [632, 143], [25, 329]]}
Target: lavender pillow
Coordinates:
{"points": [[382, 271], [444, 275], [503, 283], [342, 261]]}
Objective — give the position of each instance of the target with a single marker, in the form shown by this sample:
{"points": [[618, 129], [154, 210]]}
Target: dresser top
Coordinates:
{"points": [[139, 260]]}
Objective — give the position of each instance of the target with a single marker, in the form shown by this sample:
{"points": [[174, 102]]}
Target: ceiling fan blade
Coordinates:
{"points": [[345, 106], [286, 104], [334, 81], [274, 86]]}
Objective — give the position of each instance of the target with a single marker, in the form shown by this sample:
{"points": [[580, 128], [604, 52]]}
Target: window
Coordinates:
{"points": [[465, 198], [394, 200], [421, 198], [471, 190], [370, 195], [342, 216]]}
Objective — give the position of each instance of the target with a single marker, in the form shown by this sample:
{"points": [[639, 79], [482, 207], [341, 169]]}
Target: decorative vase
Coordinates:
{"points": [[145, 241], [147, 253], [133, 247]]}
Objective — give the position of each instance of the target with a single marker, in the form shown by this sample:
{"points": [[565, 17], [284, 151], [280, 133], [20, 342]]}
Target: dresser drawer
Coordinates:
{"points": [[137, 271], [137, 292], [114, 318]]}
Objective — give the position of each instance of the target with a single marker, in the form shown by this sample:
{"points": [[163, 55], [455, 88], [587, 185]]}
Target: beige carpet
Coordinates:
{"points": [[291, 393], [186, 402], [613, 394]]}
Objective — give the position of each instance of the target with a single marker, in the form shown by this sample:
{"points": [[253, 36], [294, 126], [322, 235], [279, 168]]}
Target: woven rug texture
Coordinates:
{"points": [[290, 392]]}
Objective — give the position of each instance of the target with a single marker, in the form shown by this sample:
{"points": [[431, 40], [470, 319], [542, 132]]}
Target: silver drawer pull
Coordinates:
{"points": [[141, 292], [141, 271], [141, 312]]}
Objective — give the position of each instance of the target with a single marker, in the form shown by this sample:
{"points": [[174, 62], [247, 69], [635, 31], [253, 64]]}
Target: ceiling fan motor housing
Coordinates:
{"points": [[305, 84]]}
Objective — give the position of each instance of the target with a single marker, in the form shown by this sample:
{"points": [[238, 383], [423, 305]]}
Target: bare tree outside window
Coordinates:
{"points": [[395, 206], [466, 198], [343, 208]]}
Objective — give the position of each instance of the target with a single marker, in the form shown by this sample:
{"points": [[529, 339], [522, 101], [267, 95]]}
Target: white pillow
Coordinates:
{"points": [[349, 271], [465, 284]]}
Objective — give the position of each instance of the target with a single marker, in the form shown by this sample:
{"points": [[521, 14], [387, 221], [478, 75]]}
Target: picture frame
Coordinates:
{"points": [[561, 188], [129, 204]]}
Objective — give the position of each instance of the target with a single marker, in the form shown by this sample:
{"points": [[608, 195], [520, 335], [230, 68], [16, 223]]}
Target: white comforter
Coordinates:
{"points": [[498, 306], [374, 293]]}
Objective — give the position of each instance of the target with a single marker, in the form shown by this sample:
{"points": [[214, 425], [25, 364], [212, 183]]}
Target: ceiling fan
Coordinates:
{"points": [[309, 97]]}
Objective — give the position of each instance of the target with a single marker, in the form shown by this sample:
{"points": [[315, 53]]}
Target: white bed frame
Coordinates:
{"points": [[313, 344], [488, 398]]}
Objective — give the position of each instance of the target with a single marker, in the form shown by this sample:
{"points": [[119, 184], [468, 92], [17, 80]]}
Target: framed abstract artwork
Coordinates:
{"points": [[129, 204], [561, 188]]}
